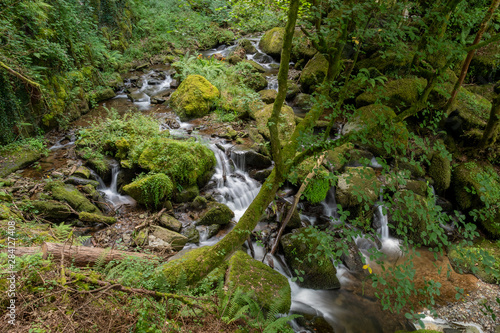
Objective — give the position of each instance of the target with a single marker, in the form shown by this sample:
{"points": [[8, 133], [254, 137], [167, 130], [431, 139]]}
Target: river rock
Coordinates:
{"points": [[96, 218], [17, 159], [71, 195], [260, 175], [247, 46], [255, 82], [150, 190], [252, 159], [103, 167], [192, 234], [187, 194], [170, 222], [317, 272], [212, 230], [292, 90], [174, 84], [286, 127], [256, 67], [314, 73], [82, 172], [199, 203], [81, 181], [51, 209], [103, 95], [268, 95], [259, 280], [272, 41], [302, 101], [174, 239], [216, 213], [194, 98]]}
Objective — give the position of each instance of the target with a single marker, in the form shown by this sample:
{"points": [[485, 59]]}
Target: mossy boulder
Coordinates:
{"points": [[259, 280], [398, 94], [256, 68], [417, 186], [268, 95], [477, 189], [51, 209], [390, 61], [186, 163], [170, 222], [71, 195], [255, 82], [481, 259], [302, 48], [187, 194], [247, 46], [174, 239], [150, 190], [272, 42], [286, 127], [199, 202], [216, 213], [336, 158], [103, 95], [192, 234], [376, 131], [357, 189], [194, 98], [302, 254], [303, 101], [82, 172], [485, 65], [96, 218], [313, 73], [11, 161], [5, 212], [440, 171], [412, 217], [317, 187]]}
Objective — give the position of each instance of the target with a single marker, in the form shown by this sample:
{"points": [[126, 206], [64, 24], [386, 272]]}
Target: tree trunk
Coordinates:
{"points": [[79, 255], [470, 55], [491, 132]]}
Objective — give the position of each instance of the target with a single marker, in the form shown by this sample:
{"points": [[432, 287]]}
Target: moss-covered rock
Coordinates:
{"points": [[82, 172], [199, 203], [5, 196], [5, 212], [440, 171], [388, 62], [302, 48], [286, 127], [477, 189], [398, 94], [259, 280], [303, 101], [317, 187], [103, 95], [216, 213], [186, 163], [11, 161], [417, 186], [170, 222], [96, 218], [71, 195], [187, 194], [272, 41], [485, 65], [292, 90], [481, 259], [257, 68], [51, 209], [314, 73], [301, 254], [268, 95], [377, 132], [255, 82], [150, 190], [192, 234], [247, 46], [336, 158], [194, 98], [357, 189], [174, 239]]}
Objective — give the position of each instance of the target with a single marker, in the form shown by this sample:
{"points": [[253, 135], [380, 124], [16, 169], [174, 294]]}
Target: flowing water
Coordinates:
{"points": [[110, 193]]}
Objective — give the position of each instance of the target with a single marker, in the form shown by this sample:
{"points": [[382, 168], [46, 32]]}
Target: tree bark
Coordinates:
{"points": [[471, 53], [491, 132]]}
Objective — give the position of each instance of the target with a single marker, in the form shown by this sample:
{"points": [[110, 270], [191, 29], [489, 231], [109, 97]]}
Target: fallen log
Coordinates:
{"points": [[80, 256]]}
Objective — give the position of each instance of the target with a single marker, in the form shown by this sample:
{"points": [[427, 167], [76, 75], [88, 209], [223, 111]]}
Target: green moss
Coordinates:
{"points": [[51, 209], [259, 280], [317, 187], [481, 259], [440, 171], [5, 212], [268, 96], [199, 202], [247, 46], [96, 218], [170, 222], [17, 158], [151, 189], [301, 251], [357, 189], [336, 158], [186, 163], [272, 41], [286, 127], [174, 239], [417, 186], [255, 82], [314, 73], [194, 98], [82, 172], [389, 62], [71, 195], [217, 213], [398, 94], [302, 48], [187, 194], [473, 108]]}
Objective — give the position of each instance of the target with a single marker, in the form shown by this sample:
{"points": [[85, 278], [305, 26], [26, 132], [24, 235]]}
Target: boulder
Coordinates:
{"points": [[192, 234], [150, 190], [286, 127], [255, 81], [82, 172], [71, 195], [247, 46], [216, 213], [317, 187], [185, 162], [303, 101], [307, 261], [51, 209], [268, 95], [170, 222], [257, 68], [174, 239], [194, 98], [440, 171], [81, 181], [336, 158], [251, 159], [199, 203], [292, 90], [102, 95], [264, 284], [96, 218], [313, 73], [18, 159], [187, 194], [272, 41]]}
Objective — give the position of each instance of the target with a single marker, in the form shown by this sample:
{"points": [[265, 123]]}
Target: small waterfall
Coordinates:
{"points": [[383, 222], [110, 193], [235, 188], [330, 205]]}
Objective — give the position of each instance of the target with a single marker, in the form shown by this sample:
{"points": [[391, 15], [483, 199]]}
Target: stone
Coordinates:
{"points": [[18, 159], [174, 239], [314, 73], [199, 203], [255, 82], [264, 284], [216, 213], [272, 41], [318, 186], [287, 123], [81, 181], [336, 158], [194, 98], [256, 67], [247, 46], [170, 222], [82, 172], [212, 230], [268, 95], [187, 194], [302, 101], [292, 90], [151, 189], [192, 234], [103, 95], [318, 272], [51, 209], [440, 171], [252, 159], [96, 218], [71, 195]]}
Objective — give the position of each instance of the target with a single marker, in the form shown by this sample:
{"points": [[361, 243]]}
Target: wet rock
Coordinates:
{"points": [[138, 96], [317, 272], [96, 218], [255, 278], [51, 209], [102, 166], [336, 158], [174, 84], [82, 172], [272, 41], [314, 73], [194, 98], [71, 195], [252, 159], [174, 239], [247, 46], [352, 259], [417, 186], [192, 234], [157, 100], [317, 187], [187, 194], [81, 181], [260, 175], [151, 189], [20, 158], [103, 95], [170, 222], [216, 213], [256, 67], [440, 171], [212, 230], [314, 323], [234, 59], [268, 95], [199, 203]]}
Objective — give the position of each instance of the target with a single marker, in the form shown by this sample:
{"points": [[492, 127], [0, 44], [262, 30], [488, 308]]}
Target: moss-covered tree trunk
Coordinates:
{"points": [[491, 132]]}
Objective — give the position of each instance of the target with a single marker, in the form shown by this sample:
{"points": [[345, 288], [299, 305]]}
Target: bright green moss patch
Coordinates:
{"points": [[96, 218], [150, 190], [71, 195], [318, 186], [314, 73], [194, 98], [217, 213], [272, 41]]}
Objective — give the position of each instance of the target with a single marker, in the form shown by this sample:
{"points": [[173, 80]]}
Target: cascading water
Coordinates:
{"points": [[110, 193]]}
